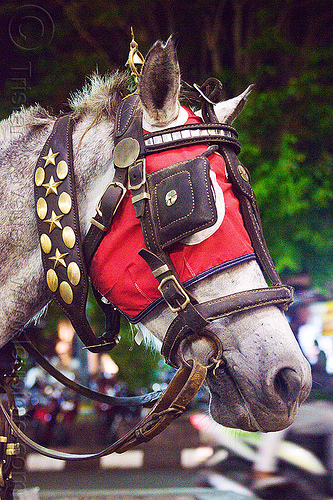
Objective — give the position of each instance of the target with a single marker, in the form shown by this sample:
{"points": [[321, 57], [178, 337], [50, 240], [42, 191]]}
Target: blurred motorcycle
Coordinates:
{"points": [[51, 409], [301, 475]]}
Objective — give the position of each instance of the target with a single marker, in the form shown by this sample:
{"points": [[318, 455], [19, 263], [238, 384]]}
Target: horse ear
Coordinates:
{"points": [[159, 83], [227, 111]]}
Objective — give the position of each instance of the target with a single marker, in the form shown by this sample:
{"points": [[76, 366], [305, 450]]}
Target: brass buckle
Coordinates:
{"points": [[98, 224], [182, 306], [143, 180], [113, 183], [123, 189], [98, 208], [140, 196]]}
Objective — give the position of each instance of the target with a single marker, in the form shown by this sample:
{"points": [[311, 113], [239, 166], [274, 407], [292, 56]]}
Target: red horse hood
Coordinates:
{"points": [[121, 275]]}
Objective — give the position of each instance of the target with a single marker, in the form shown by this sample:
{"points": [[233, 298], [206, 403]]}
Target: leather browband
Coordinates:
{"points": [[187, 135]]}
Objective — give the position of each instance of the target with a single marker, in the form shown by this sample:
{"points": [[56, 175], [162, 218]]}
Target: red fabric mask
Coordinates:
{"points": [[121, 275]]}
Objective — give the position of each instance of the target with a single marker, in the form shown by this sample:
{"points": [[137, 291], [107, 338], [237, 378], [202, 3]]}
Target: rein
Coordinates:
{"points": [[181, 390], [67, 258]]}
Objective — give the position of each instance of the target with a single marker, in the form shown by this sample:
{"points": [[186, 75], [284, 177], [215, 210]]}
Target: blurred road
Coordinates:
{"points": [[97, 484], [86, 479]]}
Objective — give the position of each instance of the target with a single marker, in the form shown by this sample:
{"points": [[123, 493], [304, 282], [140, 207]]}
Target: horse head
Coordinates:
{"points": [[265, 376]]}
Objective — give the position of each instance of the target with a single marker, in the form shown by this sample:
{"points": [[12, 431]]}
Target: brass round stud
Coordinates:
{"points": [[45, 243], [62, 170], [52, 280], [68, 237], [171, 197], [74, 273], [243, 173], [39, 176], [66, 292], [126, 152], [41, 208], [65, 203]]}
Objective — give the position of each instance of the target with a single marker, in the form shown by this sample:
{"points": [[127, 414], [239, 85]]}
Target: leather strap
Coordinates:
{"points": [[183, 387], [58, 224], [129, 401], [185, 323], [108, 205], [127, 125], [240, 179], [9, 447]]}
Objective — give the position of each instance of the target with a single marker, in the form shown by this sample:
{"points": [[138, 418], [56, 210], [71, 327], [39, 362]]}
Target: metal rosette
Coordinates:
{"points": [[57, 217]]}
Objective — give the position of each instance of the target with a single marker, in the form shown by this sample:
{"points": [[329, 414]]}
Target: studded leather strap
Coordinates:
{"points": [[59, 231]]}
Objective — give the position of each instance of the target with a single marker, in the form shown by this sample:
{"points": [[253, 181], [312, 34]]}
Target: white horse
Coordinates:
{"points": [[265, 377]]}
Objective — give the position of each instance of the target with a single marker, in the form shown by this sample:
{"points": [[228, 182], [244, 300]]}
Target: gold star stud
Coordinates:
{"points": [[50, 158], [51, 186], [54, 221], [59, 258]]}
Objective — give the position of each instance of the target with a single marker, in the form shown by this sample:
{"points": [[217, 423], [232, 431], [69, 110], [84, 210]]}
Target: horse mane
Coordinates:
{"points": [[101, 95], [21, 121]]}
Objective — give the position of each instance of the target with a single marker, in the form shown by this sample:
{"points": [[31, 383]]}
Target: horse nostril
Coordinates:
{"points": [[287, 385]]}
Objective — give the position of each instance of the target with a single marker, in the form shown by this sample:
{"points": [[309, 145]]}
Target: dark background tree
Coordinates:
{"points": [[284, 47]]}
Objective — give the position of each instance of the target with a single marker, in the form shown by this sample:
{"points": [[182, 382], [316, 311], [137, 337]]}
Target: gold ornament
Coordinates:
{"points": [[74, 273], [62, 169], [126, 152], [50, 158], [171, 197], [59, 258], [52, 280], [135, 58], [66, 292], [39, 176], [41, 208], [45, 243], [243, 173], [68, 237], [51, 186], [65, 203], [13, 449], [54, 221]]}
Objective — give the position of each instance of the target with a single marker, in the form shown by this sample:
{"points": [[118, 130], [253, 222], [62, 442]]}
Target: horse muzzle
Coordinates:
{"points": [[257, 391]]}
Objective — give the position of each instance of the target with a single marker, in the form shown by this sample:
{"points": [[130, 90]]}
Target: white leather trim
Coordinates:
{"points": [[180, 120], [200, 236]]}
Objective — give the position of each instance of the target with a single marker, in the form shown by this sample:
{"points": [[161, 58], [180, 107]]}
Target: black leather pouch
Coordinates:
{"points": [[181, 200]]}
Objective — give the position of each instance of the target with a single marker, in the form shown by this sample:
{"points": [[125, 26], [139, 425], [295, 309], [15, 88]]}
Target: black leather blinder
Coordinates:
{"points": [[181, 200]]}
